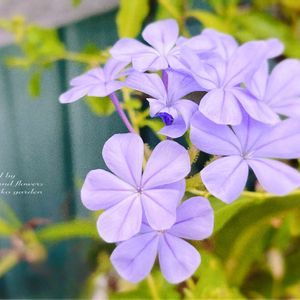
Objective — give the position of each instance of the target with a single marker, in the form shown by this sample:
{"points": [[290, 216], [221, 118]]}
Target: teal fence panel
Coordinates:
{"points": [[44, 141]]}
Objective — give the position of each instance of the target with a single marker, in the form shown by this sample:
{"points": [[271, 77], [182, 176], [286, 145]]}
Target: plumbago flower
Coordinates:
{"points": [[281, 89], [164, 49], [134, 258], [167, 99], [223, 71], [250, 144], [98, 82], [127, 193]]}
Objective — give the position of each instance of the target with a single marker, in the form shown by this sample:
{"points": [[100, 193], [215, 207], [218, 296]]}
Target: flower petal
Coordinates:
{"points": [[178, 259], [221, 107], [242, 64], [125, 49], [134, 259], [101, 190], [275, 177], [160, 204], [280, 141], [74, 94], [168, 163], [194, 219], [226, 177], [162, 35], [257, 109], [123, 154], [150, 84], [283, 82], [121, 221], [213, 138], [112, 68], [91, 77]]}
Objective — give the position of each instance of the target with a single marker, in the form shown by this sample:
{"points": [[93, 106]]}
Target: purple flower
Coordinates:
{"points": [[167, 102], [281, 90], [98, 82], [134, 259], [249, 144], [162, 53], [127, 193], [222, 72]]}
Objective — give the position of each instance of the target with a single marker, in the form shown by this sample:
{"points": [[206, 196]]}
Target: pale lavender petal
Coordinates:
{"points": [[280, 141], [199, 43], [225, 44], [179, 85], [155, 106], [125, 49], [122, 221], [123, 155], [150, 84], [194, 219], [160, 204], [274, 48], [213, 138], [105, 89], [249, 133], [113, 68], [134, 259], [74, 94], [91, 77], [168, 163], [162, 35], [283, 83], [256, 108], [275, 177], [150, 62], [178, 259], [176, 129], [242, 65], [226, 177], [101, 190], [221, 106], [288, 107], [258, 82]]}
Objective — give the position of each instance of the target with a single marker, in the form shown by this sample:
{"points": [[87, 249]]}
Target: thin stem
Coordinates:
{"points": [[152, 287], [121, 112]]}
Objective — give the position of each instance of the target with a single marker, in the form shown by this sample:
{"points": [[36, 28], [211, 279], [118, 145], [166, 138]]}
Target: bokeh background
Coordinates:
{"points": [[49, 247]]}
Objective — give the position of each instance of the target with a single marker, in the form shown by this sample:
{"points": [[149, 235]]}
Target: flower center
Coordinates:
{"points": [[167, 118]]}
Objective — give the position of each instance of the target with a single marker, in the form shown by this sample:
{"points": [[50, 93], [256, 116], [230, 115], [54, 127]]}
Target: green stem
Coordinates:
{"points": [[152, 287]]}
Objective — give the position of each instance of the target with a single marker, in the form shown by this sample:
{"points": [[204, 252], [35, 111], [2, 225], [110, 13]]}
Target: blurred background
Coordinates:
{"points": [[49, 247]]}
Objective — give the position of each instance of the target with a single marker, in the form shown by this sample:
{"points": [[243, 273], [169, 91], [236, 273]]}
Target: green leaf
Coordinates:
{"points": [[76, 3], [131, 16], [5, 229], [211, 20], [170, 9], [248, 229], [79, 228], [8, 261], [7, 212], [212, 283], [100, 106]]}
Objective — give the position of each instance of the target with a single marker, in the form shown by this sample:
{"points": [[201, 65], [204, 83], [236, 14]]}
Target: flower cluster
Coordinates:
{"points": [[243, 115]]}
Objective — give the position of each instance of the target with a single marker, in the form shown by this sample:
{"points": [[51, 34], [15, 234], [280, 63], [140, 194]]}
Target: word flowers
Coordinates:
{"points": [[235, 110]]}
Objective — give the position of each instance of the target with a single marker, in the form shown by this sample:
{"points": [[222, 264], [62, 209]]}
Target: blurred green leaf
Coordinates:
{"points": [[5, 229], [8, 261], [8, 214], [76, 3], [212, 283], [247, 230], [79, 228], [100, 106], [130, 17], [170, 9], [211, 20]]}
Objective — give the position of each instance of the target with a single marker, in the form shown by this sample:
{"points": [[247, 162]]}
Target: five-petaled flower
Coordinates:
{"points": [[129, 192], [134, 258], [249, 144], [167, 101], [98, 82]]}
